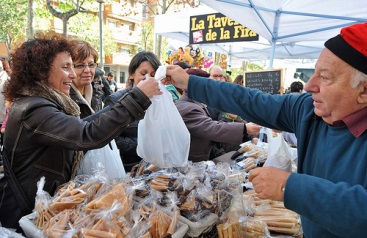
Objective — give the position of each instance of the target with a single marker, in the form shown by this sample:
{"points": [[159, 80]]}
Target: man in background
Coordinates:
{"points": [[216, 73], [296, 87], [112, 82]]}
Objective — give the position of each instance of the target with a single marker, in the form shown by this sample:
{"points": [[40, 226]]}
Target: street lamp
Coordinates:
{"points": [[100, 34]]}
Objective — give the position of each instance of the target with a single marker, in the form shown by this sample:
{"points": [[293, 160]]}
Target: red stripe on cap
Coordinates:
{"points": [[356, 36]]}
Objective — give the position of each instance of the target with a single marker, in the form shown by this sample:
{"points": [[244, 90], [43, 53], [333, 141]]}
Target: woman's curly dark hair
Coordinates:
{"points": [[31, 63]]}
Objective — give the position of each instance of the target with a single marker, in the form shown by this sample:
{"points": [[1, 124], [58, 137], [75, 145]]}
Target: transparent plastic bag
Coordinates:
{"points": [[279, 154], [106, 158], [9, 233], [163, 138]]}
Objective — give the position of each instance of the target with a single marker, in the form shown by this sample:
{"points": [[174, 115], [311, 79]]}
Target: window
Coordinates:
{"points": [[122, 77], [111, 24], [145, 11]]}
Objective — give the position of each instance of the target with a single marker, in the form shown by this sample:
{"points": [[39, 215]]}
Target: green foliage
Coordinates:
{"points": [[249, 67], [164, 49], [134, 49], [64, 6], [41, 11], [13, 18], [42, 17], [86, 27], [109, 45], [253, 67], [146, 36], [236, 72]]}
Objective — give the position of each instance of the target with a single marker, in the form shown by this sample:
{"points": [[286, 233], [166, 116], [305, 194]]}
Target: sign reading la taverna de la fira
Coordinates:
{"points": [[216, 27]]}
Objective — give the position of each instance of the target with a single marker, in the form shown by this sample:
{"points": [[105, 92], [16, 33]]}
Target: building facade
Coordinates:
{"points": [[124, 19]]}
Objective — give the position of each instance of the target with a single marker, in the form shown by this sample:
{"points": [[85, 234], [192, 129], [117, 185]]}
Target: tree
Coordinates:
{"points": [[252, 66], [13, 18], [66, 10], [42, 17], [30, 17], [86, 27], [146, 35]]}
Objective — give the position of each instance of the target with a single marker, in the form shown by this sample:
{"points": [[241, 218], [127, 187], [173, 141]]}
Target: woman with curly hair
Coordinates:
{"points": [[47, 136]]}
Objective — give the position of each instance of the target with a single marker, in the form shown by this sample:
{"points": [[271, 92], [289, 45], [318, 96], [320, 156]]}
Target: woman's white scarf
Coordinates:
{"points": [[88, 94]]}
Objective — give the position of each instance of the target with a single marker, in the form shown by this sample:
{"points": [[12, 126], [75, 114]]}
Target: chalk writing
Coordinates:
{"points": [[266, 81]]}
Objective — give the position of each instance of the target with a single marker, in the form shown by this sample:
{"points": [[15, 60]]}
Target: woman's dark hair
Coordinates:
{"points": [[140, 58], [80, 50], [238, 80], [183, 64], [31, 63], [98, 73]]}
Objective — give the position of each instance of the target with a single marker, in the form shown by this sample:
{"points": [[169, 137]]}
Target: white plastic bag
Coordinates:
{"points": [[9, 233], [103, 158], [279, 154], [163, 138]]}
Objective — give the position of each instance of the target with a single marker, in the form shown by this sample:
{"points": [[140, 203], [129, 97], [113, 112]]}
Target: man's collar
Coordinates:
{"points": [[357, 122]]}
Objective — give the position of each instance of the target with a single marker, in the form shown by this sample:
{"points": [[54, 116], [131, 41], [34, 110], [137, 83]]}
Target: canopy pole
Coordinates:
{"points": [[274, 39], [154, 44], [229, 58], [272, 53]]}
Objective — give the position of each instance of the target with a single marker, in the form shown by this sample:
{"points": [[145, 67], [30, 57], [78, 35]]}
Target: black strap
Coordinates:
{"points": [[14, 185]]}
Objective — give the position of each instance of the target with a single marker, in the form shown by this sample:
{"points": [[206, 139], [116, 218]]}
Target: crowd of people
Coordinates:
{"points": [[59, 105], [48, 135], [330, 188]]}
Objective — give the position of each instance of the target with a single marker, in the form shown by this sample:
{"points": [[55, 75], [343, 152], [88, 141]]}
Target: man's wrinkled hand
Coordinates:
{"points": [[269, 182]]}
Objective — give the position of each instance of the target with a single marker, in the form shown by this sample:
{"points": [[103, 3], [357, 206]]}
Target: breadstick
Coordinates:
{"points": [[220, 230], [171, 228]]}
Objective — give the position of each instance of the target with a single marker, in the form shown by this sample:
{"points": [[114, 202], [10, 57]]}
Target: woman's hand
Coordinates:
{"points": [[149, 86], [252, 129]]}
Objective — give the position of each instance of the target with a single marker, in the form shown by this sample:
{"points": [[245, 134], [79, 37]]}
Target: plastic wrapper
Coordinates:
{"points": [[202, 191], [257, 152], [254, 228], [41, 204], [59, 225], [229, 229], [106, 209], [247, 164], [7, 233], [105, 199], [277, 218], [238, 222]]}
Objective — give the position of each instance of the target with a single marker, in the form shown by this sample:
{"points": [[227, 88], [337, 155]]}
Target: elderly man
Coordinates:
{"points": [[216, 73], [330, 121]]}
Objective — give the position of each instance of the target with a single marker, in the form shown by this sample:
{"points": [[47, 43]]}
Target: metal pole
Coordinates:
{"points": [[100, 35]]}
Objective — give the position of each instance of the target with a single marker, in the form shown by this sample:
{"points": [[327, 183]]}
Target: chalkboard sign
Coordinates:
{"points": [[266, 81]]}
